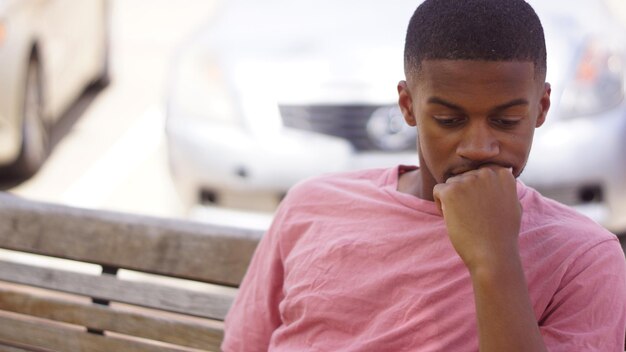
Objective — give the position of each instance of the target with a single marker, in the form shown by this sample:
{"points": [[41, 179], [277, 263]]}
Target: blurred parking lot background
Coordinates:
{"points": [[113, 154]]}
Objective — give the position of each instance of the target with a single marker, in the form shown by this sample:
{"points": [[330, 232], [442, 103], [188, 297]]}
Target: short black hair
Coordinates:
{"points": [[491, 30]]}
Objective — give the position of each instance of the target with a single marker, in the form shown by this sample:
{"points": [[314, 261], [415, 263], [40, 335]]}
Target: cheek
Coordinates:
{"points": [[515, 151], [519, 145], [434, 152], [435, 143]]}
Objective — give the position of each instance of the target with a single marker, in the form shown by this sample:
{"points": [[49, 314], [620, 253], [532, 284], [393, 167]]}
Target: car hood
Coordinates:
{"points": [[326, 52], [312, 51], [5, 5]]}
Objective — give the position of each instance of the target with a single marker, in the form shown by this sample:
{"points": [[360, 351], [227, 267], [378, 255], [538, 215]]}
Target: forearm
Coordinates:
{"points": [[506, 321]]}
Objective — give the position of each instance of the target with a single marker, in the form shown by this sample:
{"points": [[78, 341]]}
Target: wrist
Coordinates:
{"points": [[498, 263]]}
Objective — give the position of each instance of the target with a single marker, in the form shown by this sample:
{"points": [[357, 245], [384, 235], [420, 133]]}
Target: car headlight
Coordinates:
{"points": [[598, 82], [388, 130], [199, 90]]}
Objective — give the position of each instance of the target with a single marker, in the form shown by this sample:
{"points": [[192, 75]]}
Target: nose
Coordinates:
{"points": [[478, 142]]}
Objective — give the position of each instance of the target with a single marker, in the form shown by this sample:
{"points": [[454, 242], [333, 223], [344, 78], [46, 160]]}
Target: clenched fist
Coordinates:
{"points": [[482, 214]]}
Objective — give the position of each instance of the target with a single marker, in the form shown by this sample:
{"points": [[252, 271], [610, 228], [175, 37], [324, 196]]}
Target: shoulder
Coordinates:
{"points": [[558, 225], [331, 195], [338, 184], [562, 247], [321, 201]]}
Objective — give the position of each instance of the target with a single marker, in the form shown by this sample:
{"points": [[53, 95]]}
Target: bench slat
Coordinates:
{"points": [[184, 333], [61, 338], [7, 348], [176, 248], [108, 287]]}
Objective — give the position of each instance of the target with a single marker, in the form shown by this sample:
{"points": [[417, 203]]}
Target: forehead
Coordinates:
{"points": [[475, 77]]}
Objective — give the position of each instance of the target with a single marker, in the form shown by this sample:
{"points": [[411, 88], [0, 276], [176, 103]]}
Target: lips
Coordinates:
{"points": [[461, 170]]}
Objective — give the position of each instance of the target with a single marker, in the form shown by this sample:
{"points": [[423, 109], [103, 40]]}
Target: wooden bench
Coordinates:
{"points": [[149, 284]]}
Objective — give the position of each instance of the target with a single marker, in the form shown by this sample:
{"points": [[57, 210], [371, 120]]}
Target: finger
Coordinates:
{"points": [[464, 177], [499, 169], [506, 174], [437, 190]]}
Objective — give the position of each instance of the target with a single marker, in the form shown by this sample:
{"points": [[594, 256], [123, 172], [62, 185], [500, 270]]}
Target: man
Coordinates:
{"points": [[455, 255]]}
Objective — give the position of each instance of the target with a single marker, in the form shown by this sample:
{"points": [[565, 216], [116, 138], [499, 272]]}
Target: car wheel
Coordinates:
{"points": [[104, 78], [35, 136]]}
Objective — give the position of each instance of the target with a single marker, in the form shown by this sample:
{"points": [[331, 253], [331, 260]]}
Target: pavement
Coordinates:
{"points": [[112, 151]]}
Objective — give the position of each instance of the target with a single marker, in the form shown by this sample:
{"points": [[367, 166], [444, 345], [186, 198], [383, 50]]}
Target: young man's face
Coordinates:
{"points": [[471, 114]]}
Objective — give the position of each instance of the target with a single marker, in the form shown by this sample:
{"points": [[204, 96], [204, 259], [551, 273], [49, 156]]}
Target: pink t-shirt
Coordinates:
{"points": [[351, 264]]}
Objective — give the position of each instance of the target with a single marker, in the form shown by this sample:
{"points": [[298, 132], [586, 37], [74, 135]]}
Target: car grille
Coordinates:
{"points": [[344, 121]]}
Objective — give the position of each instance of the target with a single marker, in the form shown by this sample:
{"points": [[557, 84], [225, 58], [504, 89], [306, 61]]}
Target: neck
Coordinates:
{"points": [[413, 183]]}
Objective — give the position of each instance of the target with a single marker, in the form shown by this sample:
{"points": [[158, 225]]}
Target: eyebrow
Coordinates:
{"points": [[501, 107]]}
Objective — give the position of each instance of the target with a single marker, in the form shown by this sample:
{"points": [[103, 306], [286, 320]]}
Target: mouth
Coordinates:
{"points": [[461, 170], [456, 173]]}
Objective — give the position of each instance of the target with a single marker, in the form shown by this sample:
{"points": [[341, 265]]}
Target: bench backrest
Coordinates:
{"points": [[178, 284]]}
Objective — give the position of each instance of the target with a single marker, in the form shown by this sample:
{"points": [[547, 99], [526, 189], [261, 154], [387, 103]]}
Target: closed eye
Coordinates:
{"points": [[449, 121], [506, 122]]}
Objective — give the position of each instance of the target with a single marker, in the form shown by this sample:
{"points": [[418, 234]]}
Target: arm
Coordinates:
{"points": [[483, 216], [254, 315], [588, 310], [506, 321]]}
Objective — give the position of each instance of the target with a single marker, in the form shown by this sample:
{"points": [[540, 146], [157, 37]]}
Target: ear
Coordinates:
{"points": [[405, 101], [544, 105]]}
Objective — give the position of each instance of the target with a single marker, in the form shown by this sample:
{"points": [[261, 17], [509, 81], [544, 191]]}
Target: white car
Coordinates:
{"points": [[50, 51], [279, 90]]}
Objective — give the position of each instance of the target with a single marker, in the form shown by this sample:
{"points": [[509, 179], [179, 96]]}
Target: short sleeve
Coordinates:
{"points": [[588, 312], [254, 316]]}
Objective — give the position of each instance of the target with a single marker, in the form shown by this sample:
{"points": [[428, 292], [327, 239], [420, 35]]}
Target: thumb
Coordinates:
{"points": [[436, 196]]}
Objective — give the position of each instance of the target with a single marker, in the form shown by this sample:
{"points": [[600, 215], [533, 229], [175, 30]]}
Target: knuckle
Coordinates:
{"points": [[503, 172], [485, 171]]}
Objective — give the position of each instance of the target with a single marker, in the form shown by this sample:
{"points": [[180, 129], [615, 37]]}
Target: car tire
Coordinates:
{"points": [[35, 134], [104, 78]]}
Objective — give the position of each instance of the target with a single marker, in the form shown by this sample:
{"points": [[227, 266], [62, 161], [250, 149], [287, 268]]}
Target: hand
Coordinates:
{"points": [[482, 214]]}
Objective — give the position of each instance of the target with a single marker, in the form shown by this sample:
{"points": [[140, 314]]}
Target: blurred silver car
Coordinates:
{"points": [[579, 155], [50, 51], [279, 90]]}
